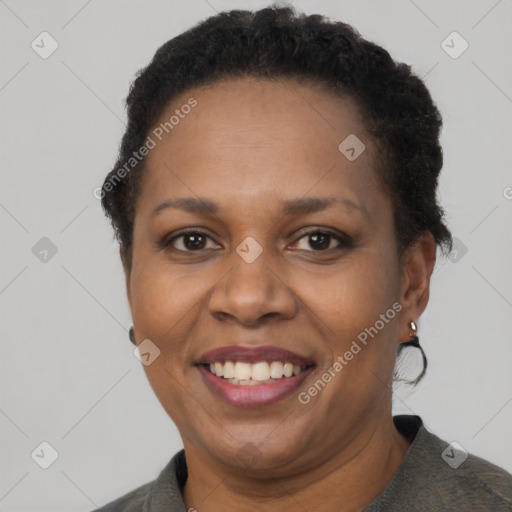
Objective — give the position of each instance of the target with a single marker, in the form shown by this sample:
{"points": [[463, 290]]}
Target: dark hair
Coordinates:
{"points": [[276, 42]]}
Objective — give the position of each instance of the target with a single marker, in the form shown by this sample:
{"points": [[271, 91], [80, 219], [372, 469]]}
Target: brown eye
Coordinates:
{"points": [[319, 240], [194, 241], [191, 241]]}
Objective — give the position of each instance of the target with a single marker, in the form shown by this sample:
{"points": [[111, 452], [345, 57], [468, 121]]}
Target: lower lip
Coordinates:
{"points": [[252, 395]]}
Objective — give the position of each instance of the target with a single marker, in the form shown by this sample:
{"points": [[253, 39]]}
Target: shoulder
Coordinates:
{"points": [[130, 502], [461, 478], [437, 475], [475, 484]]}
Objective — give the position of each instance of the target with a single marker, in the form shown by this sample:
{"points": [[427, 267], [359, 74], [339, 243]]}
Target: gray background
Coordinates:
{"points": [[68, 373]]}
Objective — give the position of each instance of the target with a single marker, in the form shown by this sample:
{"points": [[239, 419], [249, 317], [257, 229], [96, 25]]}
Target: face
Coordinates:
{"points": [[289, 257]]}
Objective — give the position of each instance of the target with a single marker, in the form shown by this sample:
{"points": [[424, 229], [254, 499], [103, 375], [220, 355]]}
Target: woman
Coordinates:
{"points": [[275, 204]]}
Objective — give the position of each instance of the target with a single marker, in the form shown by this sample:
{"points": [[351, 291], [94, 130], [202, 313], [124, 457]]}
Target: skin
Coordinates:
{"points": [[248, 146]]}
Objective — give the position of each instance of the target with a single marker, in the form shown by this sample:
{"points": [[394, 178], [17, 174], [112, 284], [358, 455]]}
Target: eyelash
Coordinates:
{"points": [[344, 240]]}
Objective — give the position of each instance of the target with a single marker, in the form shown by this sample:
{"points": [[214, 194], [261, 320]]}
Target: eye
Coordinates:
{"points": [[317, 240], [322, 240], [189, 241]]}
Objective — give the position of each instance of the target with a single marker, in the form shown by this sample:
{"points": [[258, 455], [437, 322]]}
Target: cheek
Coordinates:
{"points": [[161, 296], [357, 306], [352, 296], [165, 307], [166, 302]]}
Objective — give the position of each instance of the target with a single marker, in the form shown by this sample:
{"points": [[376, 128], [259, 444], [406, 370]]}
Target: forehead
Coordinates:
{"points": [[249, 110], [255, 137]]}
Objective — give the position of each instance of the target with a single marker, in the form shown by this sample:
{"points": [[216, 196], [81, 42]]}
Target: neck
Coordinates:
{"points": [[345, 481]]}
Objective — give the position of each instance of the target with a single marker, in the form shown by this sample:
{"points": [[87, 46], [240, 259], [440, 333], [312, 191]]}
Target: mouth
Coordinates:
{"points": [[253, 376]]}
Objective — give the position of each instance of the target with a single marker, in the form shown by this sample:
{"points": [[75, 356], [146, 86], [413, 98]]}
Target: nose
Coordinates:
{"points": [[252, 293]]}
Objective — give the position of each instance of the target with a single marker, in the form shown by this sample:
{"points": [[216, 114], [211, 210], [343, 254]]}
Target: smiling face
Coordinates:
{"points": [[263, 158]]}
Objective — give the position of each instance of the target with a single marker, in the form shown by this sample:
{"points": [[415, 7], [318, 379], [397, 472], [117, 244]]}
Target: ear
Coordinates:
{"points": [[418, 264], [127, 275]]}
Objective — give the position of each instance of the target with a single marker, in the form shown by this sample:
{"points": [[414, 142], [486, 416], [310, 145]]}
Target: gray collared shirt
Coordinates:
{"points": [[434, 476]]}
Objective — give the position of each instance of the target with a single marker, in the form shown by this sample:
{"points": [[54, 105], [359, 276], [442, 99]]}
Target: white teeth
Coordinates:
{"points": [[260, 371], [276, 370], [288, 369], [244, 374], [242, 371], [228, 371]]}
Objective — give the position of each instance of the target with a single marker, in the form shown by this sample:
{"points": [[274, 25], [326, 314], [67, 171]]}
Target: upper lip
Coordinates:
{"points": [[253, 354]]}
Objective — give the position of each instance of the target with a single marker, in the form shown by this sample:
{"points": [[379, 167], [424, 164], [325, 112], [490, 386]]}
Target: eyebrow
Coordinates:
{"points": [[301, 206]]}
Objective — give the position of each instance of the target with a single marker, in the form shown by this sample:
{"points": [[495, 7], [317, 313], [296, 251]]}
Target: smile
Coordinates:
{"points": [[253, 376], [264, 372]]}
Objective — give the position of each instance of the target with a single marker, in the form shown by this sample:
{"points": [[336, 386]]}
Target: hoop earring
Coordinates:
{"points": [[415, 342], [131, 335]]}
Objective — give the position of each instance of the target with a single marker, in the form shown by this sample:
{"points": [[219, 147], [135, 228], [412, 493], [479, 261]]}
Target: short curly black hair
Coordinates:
{"points": [[277, 42]]}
